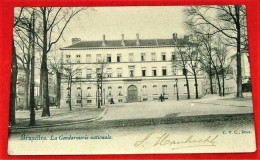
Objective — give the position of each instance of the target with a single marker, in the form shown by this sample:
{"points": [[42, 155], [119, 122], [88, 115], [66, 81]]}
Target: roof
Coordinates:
{"points": [[128, 43]]}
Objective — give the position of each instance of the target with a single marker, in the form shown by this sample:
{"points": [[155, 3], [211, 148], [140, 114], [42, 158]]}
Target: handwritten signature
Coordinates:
{"points": [[166, 140]]}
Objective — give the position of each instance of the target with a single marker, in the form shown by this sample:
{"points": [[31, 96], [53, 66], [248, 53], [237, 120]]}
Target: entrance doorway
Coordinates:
{"points": [[132, 94]]}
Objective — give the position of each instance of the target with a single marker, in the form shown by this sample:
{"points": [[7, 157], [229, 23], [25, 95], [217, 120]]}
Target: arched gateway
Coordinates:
{"points": [[132, 94]]}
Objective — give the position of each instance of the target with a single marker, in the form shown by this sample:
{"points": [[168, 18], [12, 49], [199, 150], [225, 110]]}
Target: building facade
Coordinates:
{"points": [[125, 70]]}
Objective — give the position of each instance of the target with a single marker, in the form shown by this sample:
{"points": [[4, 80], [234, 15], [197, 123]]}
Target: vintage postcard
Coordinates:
{"points": [[130, 80]]}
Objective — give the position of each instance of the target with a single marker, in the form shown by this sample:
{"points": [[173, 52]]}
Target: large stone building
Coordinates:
{"points": [[132, 70]]}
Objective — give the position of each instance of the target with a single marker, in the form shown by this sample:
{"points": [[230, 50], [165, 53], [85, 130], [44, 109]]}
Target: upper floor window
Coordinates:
{"points": [[164, 71], [68, 58], [131, 72], [131, 57], [163, 56], [88, 58], [118, 58], [153, 56], [142, 56], [78, 73], [99, 58], [154, 72], [89, 73], [143, 72], [78, 58], [173, 56], [109, 58], [119, 72], [109, 72]]}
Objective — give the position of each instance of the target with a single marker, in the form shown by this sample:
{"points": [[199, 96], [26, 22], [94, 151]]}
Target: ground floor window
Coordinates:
{"points": [[120, 100], [78, 101], [89, 101]]}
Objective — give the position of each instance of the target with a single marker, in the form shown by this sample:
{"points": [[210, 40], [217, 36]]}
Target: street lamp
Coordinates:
{"points": [[176, 80]]}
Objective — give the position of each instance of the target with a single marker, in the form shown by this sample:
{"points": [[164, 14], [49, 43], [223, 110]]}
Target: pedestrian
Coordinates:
{"points": [[112, 101], [161, 97]]}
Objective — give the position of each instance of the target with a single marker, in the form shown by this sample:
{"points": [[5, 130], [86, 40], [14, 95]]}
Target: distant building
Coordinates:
{"points": [[133, 70]]}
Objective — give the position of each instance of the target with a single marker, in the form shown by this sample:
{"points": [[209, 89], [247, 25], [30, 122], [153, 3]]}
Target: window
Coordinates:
{"points": [[155, 89], [164, 71], [173, 56], [109, 72], [119, 72], [153, 57], [143, 57], [68, 58], [78, 101], [163, 56], [78, 92], [99, 59], [120, 100], [88, 58], [143, 72], [78, 58], [78, 73], [144, 89], [154, 72], [109, 90], [109, 59], [89, 92], [165, 90], [120, 91], [89, 101], [131, 57], [88, 73], [131, 72], [118, 58]]}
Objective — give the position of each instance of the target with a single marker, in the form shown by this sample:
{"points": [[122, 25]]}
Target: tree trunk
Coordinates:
{"points": [[44, 70], [32, 102], [239, 72], [210, 80], [196, 85], [187, 83], [13, 87], [58, 89], [70, 82], [26, 89], [223, 82], [219, 86]]}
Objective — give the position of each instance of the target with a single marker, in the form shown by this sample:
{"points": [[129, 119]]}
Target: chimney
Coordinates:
{"points": [[137, 39], [174, 37], [123, 41], [75, 40], [104, 41]]}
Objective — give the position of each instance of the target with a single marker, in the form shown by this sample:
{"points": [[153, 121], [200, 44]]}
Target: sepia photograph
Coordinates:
{"points": [[130, 80]]}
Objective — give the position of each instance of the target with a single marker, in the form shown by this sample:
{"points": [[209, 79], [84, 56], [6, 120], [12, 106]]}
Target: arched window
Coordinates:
{"points": [[144, 89], [78, 91], [155, 89], [88, 91], [165, 90], [109, 90]]}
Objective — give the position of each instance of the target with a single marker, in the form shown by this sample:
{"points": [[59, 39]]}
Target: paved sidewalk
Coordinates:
{"points": [[60, 116], [153, 109]]}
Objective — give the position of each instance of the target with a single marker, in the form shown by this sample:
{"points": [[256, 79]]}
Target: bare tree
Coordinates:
{"points": [[228, 23], [54, 22], [221, 53], [193, 58], [14, 75], [182, 64]]}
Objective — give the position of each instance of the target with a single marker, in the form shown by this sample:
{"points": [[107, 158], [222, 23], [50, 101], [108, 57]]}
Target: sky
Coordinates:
{"points": [[149, 22]]}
